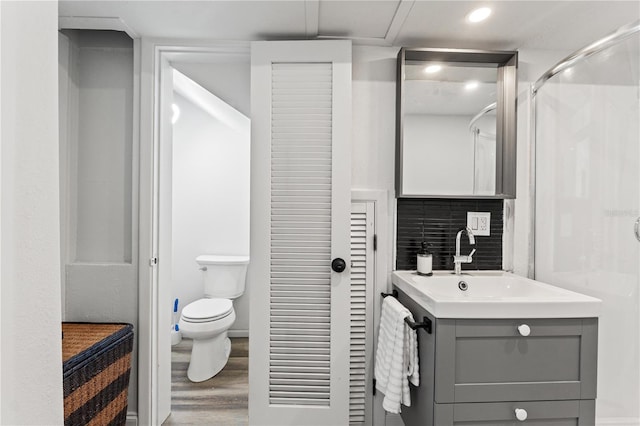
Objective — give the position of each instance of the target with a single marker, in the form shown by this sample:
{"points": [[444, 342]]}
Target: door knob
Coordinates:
{"points": [[338, 265]]}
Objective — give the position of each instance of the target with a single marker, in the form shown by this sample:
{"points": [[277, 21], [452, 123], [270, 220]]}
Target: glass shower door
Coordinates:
{"points": [[587, 202]]}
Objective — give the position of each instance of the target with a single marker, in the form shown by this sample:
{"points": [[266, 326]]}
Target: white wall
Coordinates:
{"points": [[30, 282], [210, 199], [374, 111], [100, 132], [437, 154], [373, 148]]}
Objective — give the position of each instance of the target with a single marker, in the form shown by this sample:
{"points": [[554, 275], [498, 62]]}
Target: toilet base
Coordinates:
{"points": [[208, 357]]}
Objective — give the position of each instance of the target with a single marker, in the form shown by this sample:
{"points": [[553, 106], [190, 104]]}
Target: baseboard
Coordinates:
{"points": [[618, 421], [238, 333], [132, 419]]}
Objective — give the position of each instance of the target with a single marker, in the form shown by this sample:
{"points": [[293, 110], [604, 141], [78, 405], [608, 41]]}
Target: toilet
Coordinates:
{"points": [[207, 320]]}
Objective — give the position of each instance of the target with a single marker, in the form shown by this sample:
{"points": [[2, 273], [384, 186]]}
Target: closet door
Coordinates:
{"points": [[300, 220], [361, 322]]}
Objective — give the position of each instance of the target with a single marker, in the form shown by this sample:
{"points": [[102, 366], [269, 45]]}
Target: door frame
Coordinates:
{"points": [[154, 399]]}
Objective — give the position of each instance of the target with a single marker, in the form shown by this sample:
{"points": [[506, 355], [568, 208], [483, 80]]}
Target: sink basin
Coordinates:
{"points": [[493, 294]]}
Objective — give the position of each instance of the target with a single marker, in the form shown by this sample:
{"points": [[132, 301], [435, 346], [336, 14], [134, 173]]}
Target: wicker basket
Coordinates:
{"points": [[96, 366]]}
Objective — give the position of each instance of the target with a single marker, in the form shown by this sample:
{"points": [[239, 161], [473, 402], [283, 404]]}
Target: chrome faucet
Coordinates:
{"points": [[459, 260]]}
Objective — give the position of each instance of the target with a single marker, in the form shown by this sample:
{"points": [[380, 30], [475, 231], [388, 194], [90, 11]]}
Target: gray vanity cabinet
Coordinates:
{"points": [[478, 371]]}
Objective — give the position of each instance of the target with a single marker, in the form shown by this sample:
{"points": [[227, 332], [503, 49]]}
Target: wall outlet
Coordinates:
{"points": [[479, 223]]}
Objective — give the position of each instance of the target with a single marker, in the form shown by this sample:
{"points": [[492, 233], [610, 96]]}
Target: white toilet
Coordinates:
{"points": [[207, 320]]}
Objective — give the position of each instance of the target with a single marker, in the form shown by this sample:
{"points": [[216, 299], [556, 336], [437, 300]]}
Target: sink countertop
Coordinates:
{"points": [[493, 294]]}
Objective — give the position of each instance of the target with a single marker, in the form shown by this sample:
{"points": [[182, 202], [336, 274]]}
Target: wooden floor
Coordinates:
{"points": [[221, 400]]}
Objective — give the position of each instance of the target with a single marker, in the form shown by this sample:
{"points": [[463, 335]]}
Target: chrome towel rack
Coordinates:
{"points": [[426, 323]]}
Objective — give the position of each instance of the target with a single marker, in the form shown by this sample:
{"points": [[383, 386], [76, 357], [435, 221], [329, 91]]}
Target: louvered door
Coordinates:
{"points": [[361, 322], [300, 204]]}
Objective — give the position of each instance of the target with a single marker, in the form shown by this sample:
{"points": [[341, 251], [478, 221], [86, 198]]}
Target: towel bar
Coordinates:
{"points": [[393, 293], [426, 323]]}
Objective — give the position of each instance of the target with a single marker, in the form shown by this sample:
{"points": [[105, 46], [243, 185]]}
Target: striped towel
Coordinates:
{"points": [[396, 356]]}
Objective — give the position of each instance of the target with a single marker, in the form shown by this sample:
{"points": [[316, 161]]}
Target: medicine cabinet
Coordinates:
{"points": [[456, 123]]}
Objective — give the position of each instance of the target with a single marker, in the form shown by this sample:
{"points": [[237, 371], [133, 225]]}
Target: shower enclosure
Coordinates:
{"points": [[587, 202]]}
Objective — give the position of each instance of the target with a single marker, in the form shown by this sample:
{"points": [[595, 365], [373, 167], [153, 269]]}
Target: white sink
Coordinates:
{"points": [[493, 294]]}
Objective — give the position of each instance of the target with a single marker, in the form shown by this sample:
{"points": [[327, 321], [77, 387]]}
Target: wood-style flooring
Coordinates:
{"points": [[221, 400]]}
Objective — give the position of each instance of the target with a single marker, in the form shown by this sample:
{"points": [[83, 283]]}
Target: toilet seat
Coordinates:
{"points": [[207, 310]]}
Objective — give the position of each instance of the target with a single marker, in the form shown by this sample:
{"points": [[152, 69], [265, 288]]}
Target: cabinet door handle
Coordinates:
{"points": [[524, 330], [636, 228], [521, 414]]}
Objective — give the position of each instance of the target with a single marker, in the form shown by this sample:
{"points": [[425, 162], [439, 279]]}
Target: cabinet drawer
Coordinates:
{"points": [[547, 413], [489, 360]]}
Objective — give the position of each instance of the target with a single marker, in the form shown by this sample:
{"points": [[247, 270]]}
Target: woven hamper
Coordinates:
{"points": [[96, 366]]}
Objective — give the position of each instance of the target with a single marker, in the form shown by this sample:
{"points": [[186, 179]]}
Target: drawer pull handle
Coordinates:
{"points": [[521, 414], [524, 330]]}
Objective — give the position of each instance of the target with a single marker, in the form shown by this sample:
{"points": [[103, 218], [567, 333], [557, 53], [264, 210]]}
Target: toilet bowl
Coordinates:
{"points": [[207, 320]]}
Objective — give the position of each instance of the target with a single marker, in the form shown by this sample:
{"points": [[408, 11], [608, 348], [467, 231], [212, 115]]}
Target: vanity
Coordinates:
{"points": [[502, 350]]}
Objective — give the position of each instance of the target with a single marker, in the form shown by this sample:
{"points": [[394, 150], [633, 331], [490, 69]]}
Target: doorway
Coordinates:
{"points": [[199, 205]]}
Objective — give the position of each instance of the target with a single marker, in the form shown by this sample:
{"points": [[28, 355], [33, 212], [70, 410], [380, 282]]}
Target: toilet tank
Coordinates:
{"points": [[224, 276]]}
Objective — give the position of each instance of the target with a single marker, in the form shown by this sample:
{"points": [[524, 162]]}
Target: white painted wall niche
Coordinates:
{"points": [[98, 196]]}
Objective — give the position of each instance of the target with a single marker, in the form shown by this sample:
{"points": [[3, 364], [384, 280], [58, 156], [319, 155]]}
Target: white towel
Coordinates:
{"points": [[396, 356]]}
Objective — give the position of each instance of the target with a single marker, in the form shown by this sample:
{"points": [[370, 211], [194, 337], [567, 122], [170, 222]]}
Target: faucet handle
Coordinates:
{"points": [[471, 254]]}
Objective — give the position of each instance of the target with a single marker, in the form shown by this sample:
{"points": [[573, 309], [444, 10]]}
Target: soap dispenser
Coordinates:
{"points": [[425, 260]]}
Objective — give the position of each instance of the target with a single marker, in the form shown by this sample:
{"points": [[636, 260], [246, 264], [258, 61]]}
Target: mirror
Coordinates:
{"points": [[456, 123]]}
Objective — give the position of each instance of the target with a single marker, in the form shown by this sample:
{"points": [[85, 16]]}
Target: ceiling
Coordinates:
{"points": [[558, 25]]}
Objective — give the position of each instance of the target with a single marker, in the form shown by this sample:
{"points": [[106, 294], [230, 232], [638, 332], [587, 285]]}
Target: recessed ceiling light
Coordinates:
{"points": [[471, 85], [479, 14], [432, 69]]}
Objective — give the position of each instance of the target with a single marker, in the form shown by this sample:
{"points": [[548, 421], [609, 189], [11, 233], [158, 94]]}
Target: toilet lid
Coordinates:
{"points": [[207, 310]]}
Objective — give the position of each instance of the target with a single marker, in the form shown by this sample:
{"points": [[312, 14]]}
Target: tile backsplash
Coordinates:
{"points": [[441, 219]]}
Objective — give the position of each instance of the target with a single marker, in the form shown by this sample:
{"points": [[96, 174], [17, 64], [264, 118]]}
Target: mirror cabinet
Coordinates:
{"points": [[456, 123]]}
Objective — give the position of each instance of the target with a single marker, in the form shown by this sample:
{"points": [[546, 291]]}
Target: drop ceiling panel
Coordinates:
{"points": [[220, 20], [564, 25], [555, 25], [443, 24], [356, 19]]}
